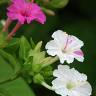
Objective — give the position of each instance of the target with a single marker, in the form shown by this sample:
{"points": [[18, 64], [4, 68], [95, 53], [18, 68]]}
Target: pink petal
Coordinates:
{"points": [[79, 52]]}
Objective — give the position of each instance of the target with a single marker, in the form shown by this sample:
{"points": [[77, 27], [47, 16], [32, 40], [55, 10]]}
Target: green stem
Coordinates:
{"points": [[12, 33], [47, 86]]}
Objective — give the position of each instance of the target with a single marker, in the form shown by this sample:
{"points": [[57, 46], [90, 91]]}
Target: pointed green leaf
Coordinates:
{"points": [[5, 70], [24, 48], [13, 45], [32, 43], [38, 46], [3, 41], [11, 60]]}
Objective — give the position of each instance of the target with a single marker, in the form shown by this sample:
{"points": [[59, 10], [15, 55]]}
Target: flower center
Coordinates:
{"points": [[25, 14], [64, 50], [27, 11], [70, 86]]}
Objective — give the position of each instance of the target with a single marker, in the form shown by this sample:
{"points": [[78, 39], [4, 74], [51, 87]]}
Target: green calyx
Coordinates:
{"points": [[40, 60], [38, 78]]}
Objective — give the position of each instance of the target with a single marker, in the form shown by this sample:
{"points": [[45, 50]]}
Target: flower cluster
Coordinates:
{"points": [[68, 82]]}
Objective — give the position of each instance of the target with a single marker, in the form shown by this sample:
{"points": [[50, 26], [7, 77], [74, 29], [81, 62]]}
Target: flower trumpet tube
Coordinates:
{"points": [[47, 86]]}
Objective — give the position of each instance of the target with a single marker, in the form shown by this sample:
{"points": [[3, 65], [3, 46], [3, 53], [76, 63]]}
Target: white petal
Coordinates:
{"points": [[52, 48], [52, 52], [78, 76], [51, 45], [63, 71], [75, 43], [69, 59], [63, 67], [84, 90], [60, 87], [57, 83], [73, 93], [60, 71], [80, 59], [60, 37], [62, 92], [62, 58]]}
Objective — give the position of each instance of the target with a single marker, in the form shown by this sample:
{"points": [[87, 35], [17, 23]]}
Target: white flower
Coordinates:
{"points": [[70, 82], [66, 47]]}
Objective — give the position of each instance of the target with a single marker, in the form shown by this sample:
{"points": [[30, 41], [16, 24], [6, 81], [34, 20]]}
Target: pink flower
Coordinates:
{"points": [[25, 12]]}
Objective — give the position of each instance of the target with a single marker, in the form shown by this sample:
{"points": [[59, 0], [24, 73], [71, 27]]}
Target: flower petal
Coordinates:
{"points": [[78, 54], [84, 90], [60, 37], [60, 87], [75, 43]]}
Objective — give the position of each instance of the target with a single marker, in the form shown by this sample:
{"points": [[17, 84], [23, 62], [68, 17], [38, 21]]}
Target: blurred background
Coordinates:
{"points": [[78, 18]]}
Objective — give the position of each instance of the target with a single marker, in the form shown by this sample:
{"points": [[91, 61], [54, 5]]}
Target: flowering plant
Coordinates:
{"points": [[25, 65]]}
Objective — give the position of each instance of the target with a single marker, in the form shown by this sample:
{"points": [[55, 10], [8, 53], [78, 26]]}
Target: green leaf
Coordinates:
{"points": [[3, 41], [32, 43], [58, 3], [24, 48], [17, 87], [5, 69], [13, 45], [3, 92], [11, 60], [38, 47]]}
